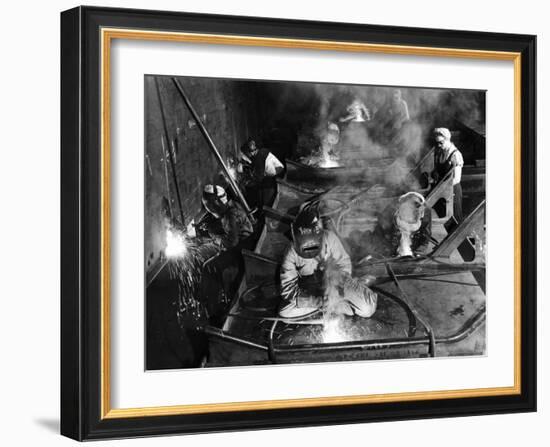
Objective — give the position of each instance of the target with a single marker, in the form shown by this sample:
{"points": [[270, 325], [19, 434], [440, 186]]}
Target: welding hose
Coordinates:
{"points": [[351, 202], [410, 314], [427, 327], [471, 326], [317, 200], [270, 346], [289, 320]]}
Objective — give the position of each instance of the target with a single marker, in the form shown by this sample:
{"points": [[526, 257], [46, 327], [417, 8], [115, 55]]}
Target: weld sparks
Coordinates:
{"points": [[332, 331], [186, 256], [176, 244], [327, 162]]}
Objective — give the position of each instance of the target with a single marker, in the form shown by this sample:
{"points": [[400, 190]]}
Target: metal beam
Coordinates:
{"points": [[212, 147], [169, 150], [473, 221]]}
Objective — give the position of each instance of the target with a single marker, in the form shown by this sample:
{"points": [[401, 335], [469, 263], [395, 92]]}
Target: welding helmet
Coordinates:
{"points": [[307, 231], [214, 199], [333, 133], [410, 208], [249, 148], [442, 137]]}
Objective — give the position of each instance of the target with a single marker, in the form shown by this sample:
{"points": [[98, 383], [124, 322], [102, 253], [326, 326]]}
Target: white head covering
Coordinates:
{"points": [[410, 195], [333, 127], [443, 132], [215, 190]]}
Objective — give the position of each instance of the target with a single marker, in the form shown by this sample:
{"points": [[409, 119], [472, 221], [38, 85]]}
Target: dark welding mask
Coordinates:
{"points": [[214, 199], [307, 232], [249, 148]]}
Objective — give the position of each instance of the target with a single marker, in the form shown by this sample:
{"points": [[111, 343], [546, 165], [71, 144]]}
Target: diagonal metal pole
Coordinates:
{"points": [[169, 150], [212, 146]]}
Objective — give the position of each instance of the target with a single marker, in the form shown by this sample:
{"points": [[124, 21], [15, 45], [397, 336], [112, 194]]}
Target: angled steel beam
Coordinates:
{"points": [[212, 147]]}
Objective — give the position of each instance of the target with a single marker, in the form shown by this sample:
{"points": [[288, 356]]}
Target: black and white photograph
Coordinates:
{"points": [[296, 222]]}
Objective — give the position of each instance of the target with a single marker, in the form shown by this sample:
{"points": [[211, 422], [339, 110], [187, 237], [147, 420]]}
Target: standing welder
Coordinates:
{"points": [[356, 130], [316, 272], [258, 168], [396, 112], [446, 158], [229, 226]]}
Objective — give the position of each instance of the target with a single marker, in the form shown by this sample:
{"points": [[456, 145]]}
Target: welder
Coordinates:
{"points": [[408, 230], [448, 158], [393, 125], [227, 224], [357, 112], [395, 113], [316, 272], [258, 169], [403, 228]]}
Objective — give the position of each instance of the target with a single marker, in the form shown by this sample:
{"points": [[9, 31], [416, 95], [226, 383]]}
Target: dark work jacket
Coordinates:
{"points": [[258, 164], [442, 168], [230, 229]]}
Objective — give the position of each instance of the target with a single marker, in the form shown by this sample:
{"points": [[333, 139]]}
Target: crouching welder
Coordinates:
{"points": [[316, 273], [227, 224], [403, 229]]}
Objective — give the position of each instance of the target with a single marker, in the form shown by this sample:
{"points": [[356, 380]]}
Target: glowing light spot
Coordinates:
{"points": [[332, 332], [232, 172], [176, 244], [328, 162]]}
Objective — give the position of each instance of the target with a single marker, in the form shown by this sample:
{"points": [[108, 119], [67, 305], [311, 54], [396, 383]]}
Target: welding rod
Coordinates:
{"points": [[170, 155], [212, 147]]}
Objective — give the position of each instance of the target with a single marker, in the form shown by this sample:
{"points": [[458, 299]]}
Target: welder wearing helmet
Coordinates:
{"points": [[404, 228], [228, 225], [258, 168], [226, 221], [316, 268]]}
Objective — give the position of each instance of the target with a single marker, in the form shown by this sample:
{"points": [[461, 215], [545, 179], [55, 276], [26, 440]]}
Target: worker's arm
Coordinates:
{"points": [[458, 163], [405, 111], [273, 166], [457, 175], [348, 117], [230, 224], [366, 112], [338, 253]]}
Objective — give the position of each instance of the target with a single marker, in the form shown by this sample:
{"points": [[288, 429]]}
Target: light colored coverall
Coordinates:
{"points": [[342, 294]]}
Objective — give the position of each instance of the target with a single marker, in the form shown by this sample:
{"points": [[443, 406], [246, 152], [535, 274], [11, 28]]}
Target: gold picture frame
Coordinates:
{"points": [[107, 27]]}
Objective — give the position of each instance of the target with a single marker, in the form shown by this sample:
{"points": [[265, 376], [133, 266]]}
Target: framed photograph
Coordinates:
{"points": [[271, 223]]}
